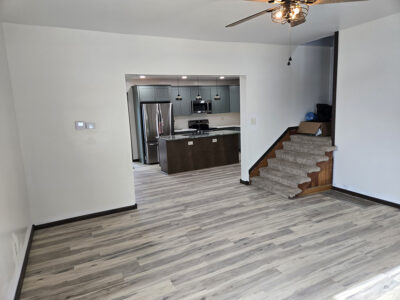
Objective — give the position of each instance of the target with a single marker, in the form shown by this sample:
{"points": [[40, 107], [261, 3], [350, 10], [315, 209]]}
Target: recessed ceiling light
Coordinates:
{"points": [[184, 77], [221, 77], [142, 76]]}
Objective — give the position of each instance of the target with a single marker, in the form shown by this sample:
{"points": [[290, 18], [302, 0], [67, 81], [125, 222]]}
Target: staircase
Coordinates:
{"points": [[296, 167]]}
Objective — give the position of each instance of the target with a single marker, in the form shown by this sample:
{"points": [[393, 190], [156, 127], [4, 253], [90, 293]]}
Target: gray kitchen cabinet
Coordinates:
{"points": [[205, 92], [234, 97], [176, 105], [224, 93], [186, 105], [153, 93], [146, 93], [181, 107], [194, 90], [222, 105], [162, 93], [229, 102]]}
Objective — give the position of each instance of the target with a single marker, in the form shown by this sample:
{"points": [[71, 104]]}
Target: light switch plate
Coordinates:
{"points": [[214, 140], [80, 125], [190, 143], [90, 125], [253, 121]]}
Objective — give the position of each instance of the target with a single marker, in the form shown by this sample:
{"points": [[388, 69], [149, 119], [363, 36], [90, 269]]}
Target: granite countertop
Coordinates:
{"points": [[185, 129], [177, 137], [218, 127], [226, 126]]}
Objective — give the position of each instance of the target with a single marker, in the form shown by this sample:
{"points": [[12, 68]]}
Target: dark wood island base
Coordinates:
{"points": [[179, 154]]}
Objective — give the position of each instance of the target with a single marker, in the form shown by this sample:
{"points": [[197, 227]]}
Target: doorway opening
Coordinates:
{"points": [[183, 123]]}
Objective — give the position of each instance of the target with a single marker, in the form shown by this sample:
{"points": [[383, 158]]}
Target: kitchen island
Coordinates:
{"points": [[186, 152]]}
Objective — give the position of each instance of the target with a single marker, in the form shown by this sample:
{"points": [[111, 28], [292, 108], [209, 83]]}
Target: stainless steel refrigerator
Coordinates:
{"points": [[157, 120]]}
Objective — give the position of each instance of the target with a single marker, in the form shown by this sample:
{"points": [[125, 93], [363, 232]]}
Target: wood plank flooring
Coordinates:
{"points": [[202, 235]]}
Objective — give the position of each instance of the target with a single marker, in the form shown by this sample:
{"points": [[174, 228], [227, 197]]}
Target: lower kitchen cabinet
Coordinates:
{"points": [[198, 153]]}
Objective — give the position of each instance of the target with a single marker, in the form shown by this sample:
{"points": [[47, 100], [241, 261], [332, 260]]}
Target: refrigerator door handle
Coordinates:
{"points": [[160, 121]]}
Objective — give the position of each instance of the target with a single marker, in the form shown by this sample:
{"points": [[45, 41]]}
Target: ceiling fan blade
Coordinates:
{"points": [[333, 1], [251, 17]]}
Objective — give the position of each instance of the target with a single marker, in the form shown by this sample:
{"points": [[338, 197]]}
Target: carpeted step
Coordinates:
{"points": [[275, 187], [300, 157], [283, 177], [309, 139], [292, 167], [315, 148]]}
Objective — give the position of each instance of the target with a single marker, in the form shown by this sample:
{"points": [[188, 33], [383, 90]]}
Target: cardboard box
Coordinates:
{"points": [[315, 128]]}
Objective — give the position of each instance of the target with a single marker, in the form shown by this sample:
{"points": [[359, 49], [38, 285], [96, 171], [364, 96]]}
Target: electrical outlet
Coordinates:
{"points": [[253, 121]]}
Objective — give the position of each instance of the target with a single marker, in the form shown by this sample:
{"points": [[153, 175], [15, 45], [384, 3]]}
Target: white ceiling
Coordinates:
{"points": [[193, 19]]}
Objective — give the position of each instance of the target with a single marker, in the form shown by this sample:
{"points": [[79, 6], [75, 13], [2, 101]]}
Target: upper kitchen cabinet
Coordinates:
{"points": [[204, 92], [145, 93], [163, 93], [222, 105], [234, 95], [153, 93], [181, 107], [229, 102]]}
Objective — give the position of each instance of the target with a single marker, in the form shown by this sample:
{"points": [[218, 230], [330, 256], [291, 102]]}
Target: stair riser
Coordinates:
{"points": [[280, 179], [299, 160], [306, 140], [309, 149], [287, 169]]}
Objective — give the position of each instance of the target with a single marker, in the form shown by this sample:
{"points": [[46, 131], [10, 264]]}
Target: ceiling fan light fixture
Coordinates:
{"points": [[296, 12], [293, 12]]}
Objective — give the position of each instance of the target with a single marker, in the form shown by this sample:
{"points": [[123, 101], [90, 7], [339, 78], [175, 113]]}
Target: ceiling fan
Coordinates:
{"points": [[293, 12]]}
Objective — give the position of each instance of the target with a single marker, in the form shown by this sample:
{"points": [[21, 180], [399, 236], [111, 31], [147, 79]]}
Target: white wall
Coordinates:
{"points": [[63, 75], [368, 109], [14, 209]]}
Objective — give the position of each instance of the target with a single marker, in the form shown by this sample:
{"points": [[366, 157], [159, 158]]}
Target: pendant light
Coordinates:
{"points": [[290, 47], [217, 96], [178, 97], [198, 97]]}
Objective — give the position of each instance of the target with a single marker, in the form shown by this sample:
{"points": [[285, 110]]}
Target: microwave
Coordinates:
{"points": [[201, 106]]}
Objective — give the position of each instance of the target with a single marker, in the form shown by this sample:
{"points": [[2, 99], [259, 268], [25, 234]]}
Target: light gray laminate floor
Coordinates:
{"points": [[202, 235]]}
